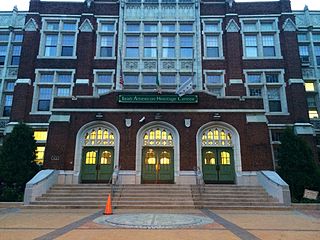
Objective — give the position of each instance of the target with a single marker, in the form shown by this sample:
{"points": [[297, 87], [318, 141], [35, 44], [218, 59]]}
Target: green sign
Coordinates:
{"points": [[157, 99]]}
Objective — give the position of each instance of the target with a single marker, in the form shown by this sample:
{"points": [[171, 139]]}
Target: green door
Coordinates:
{"points": [[157, 165], [97, 164], [218, 165]]}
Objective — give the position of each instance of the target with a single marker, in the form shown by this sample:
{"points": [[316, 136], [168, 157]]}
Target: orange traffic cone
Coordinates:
{"points": [[108, 209]]}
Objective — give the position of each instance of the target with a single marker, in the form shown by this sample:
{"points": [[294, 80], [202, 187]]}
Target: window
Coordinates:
{"points": [[133, 27], [168, 79], [150, 27], [105, 45], [168, 47], [186, 46], [3, 54], [309, 86], [187, 27], [41, 137], [313, 114], [302, 37], [316, 37], [150, 46], [304, 54], [132, 46], [103, 82], [215, 83], [311, 102], [269, 86], [168, 27], [184, 78], [49, 85], [4, 37], [261, 38], [59, 38], [7, 105], [15, 56], [212, 46], [317, 54], [251, 46], [131, 79], [212, 39], [149, 79]]}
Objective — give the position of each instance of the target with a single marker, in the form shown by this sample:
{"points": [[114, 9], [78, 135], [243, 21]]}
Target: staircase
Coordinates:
{"points": [[162, 196], [234, 197]]}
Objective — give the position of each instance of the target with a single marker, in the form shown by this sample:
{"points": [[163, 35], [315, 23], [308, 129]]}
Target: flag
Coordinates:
{"points": [[185, 88], [121, 80]]}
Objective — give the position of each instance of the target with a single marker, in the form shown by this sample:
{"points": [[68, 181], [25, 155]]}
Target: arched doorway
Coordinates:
{"points": [[217, 151], [96, 144], [157, 153]]}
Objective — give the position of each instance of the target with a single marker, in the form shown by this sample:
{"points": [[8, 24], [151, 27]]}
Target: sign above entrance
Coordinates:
{"points": [[126, 98]]}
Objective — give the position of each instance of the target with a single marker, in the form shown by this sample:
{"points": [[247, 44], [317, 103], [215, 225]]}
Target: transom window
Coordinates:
{"points": [[158, 137], [261, 38], [103, 81], [215, 82], [40, 136], [58, 38], [216, 137], [99, 136]]}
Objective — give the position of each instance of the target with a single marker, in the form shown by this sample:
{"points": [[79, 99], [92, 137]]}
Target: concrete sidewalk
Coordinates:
{"points": [[20, 223]]}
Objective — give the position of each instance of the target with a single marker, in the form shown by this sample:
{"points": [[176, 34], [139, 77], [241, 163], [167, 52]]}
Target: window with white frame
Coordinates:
{"points": [[317, 54], [150, 46], [168, 79], [10, 48], [215, 82], [103, 81], [131, 79], [168, 46], [212, 39], [106, 35], [132, 46], [186, 46], [4, 42], [58, 38], [149, 79], [260, 38], [50, 84], [7, 97], [304, 53], [316, 36], [270, 86]]}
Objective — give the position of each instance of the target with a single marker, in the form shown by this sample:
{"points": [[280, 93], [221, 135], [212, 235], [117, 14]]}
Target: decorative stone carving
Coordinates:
{"points": [[315, 20], [89, 2], [300, 20], [3, 123], [230, 3], [168, 65], [186, 65], [308, 73], [289, 26], [86, 26], [232, 26], [149, 65], [132, 65], [5, 20], [31, 26], [12, 72]]}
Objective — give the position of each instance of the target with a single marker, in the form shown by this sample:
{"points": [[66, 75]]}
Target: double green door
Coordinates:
{"points": [[218, 165], [157, 165], [97, 164]]}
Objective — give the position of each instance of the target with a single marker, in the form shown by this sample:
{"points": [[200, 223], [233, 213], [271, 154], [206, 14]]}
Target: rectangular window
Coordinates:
{"points": [[302, 37], [255, 92], [106, 48], [51, 45], [168, 27], [311, 102], [132, 46], [52, 26], [133, 27], [211, 27], [107, 27], [4, 37], [150, 27], [313, 114], [168, 47], [272, 78], [186, 46], [212, 46], [304, 54], [149, 79], [63, 91], [3, 54], [9, 86], [250, 27], [267, 26], [15, 57], [150, 46], [316, 37], [40, 155], [251, 46], [254, 78], [7, 105], [168, 79], [69, 26], [104, 78], [46, 78], [309, 86], [317, 54], [67, 45], [214, 79], [40, 135], [186, 27], [103, 90], [131, 79], [274, 100], [45, 94], [184, 78], [63, 78], [268, 46]]}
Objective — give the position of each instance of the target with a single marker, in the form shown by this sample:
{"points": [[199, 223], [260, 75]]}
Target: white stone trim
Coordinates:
{"points": [[303, 129], [235, 141], [59, 118], [82, 81], [176, 147], [232, 26], [295, 81], [23, 81], [31, 26], [256, 118], [235, 81], [86, 26], [80, 143]]}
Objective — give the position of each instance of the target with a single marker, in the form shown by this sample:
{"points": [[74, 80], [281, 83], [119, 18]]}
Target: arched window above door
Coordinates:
{"points": [[158, 137], [99, 136], [216, 137]]}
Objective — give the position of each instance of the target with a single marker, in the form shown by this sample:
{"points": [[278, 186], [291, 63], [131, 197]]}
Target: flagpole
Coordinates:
{"points": [[157, 79]]}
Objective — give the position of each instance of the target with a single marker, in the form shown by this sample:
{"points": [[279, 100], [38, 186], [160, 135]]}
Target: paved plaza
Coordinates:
{"points": [[21, 223]]}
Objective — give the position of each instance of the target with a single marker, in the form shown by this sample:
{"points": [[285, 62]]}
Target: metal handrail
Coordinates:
{"points": [[114, 180], [199, 180]]}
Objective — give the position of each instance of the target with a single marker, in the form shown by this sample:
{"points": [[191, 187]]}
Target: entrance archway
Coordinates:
{"points": [[97, 152], [157, 158], [218, 149]]}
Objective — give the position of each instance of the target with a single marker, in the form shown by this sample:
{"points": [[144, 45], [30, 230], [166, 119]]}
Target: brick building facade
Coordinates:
{"points": [[243, 61]]}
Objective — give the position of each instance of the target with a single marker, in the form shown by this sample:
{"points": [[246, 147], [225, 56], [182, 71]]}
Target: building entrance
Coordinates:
{"points": [[157, 165], [218, 165]]}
